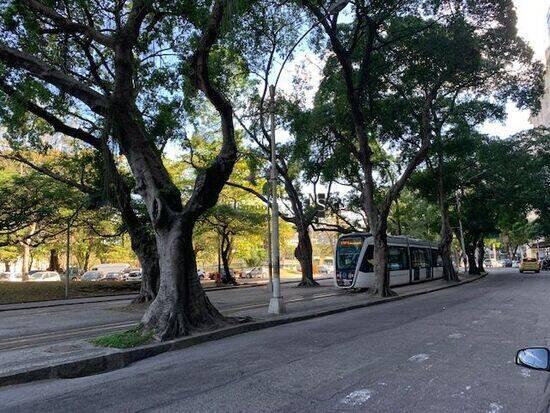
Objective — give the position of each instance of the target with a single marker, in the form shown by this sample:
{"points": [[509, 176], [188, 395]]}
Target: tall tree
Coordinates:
{"points": [[107, 67], [393, 63]]}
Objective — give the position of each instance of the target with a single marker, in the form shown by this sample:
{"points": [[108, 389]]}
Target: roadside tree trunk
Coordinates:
{"points": [[472, 262], [54, 264], [480, 255], [146, 252], [225, 256], [7, 266], [380, 256], [446, 232], [181, 306], [141, 234], [25, 261], [304, 255], [86, 263]]}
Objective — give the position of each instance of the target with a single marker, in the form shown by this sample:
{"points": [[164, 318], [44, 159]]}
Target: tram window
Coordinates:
{"points": [[368, 260], [347, 253], [419, 258], [398, 259], [437, 261]]}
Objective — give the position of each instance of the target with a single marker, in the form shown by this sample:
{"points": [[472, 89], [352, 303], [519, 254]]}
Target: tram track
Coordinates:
{"points": [[56, 337]]}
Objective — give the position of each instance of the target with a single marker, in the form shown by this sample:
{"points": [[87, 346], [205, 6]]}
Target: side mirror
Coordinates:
{"points": [[533, 358]]}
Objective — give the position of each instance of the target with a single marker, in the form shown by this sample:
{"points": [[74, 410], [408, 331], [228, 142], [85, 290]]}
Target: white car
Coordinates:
{"points": [[254, 272], [134, 276], [45, 276]]}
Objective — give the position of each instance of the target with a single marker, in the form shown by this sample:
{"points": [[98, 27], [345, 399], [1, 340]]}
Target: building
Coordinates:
{"points": [[543, 117]]}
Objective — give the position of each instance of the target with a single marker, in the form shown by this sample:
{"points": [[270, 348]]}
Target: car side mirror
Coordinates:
{"points": [[533, 358]]}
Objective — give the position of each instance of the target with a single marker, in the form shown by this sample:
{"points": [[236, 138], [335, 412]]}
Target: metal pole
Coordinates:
{"points": [[276, 305], [219, 257], [270, 260], [68, 261]]}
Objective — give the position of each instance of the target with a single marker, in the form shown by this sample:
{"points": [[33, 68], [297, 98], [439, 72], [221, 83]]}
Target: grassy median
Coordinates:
{"points": [[126, 339], [22, 292]]}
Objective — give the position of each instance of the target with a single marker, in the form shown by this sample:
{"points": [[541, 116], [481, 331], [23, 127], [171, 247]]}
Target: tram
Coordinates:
{"points": [[410, 260]]}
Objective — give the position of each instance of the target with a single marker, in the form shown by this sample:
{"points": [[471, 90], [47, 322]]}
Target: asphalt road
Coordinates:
{"points": [[449, 351]]}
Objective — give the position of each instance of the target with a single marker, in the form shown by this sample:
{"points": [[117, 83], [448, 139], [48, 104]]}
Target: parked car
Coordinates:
{"points": [[134, 276], [106, 268], [92, 276], [254, 272], [112, 276], [529, 264], [545, 264], [515, 264], [45, 276], [487, 263], [505, 262]]}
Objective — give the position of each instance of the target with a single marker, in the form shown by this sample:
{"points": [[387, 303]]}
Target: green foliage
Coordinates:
{"points": [[127, 339]]}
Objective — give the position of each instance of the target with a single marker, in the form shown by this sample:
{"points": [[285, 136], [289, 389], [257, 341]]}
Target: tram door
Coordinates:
{"points": [[421, 268]]}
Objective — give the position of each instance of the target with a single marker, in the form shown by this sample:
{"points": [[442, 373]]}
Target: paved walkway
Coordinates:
{"points": [[38, 337]]}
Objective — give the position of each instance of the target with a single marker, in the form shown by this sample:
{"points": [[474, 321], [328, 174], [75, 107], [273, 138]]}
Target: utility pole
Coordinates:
{"points": [[269, 248], [276, 304], [68, 260]]}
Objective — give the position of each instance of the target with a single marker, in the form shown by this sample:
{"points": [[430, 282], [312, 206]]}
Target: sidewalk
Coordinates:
{"points": [[75, 358]]}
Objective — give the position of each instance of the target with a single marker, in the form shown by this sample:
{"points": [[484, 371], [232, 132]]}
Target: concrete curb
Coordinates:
{"points": [[123, 358], [120, 297]]}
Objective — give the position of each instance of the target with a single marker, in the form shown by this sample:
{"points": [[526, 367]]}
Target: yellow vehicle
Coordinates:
{"points": [[529, 264]]}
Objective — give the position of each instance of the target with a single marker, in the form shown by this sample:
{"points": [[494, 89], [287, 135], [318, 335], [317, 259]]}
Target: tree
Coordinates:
{"points": [[8, 255], [107, 70], [393, 63], [229, 221], [269, 38], [100, 183]]}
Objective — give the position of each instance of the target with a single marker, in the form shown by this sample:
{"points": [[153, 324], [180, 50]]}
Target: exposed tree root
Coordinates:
{"points": [[307, 283]]}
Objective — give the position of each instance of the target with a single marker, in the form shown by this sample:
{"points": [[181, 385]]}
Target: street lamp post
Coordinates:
{"points": [[276, 304], [68, 260]]}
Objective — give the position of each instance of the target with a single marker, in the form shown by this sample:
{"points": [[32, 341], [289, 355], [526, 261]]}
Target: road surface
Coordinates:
{"points": [[449, 351]]}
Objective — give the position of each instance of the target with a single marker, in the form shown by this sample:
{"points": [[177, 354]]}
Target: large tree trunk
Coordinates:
{"points": [[227, 278], [446, 238], [381, 287], [181, 306], [304, 255], [471, 254], [7, 266], [146, 252], [446, 232], [26, 260], [480, 255], [86, 263], [54, 264], [141, 234]]}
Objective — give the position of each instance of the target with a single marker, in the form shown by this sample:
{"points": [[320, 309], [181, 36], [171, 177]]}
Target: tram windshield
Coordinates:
{"points": [[347, 253]]}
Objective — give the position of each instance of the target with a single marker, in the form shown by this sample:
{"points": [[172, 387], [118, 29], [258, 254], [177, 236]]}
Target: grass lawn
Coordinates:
{"points": [[21, 292], [126, 339]]}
